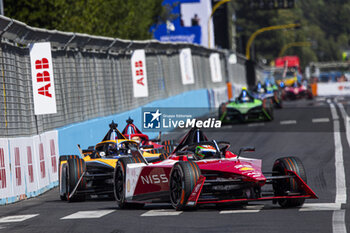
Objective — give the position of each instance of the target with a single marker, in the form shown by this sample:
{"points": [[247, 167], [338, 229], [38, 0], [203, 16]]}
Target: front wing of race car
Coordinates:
{"points": [[198, 197]]}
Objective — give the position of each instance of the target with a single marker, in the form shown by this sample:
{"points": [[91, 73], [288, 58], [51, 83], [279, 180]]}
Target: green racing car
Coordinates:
{"points": [[246, 108]]}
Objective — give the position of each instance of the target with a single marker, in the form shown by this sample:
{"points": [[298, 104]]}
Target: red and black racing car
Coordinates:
{"points": [[296, 91], [151, 145], [201, 171]]}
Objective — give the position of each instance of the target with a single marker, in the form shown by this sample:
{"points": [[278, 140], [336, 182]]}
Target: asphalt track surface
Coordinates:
{"points": [[304, 128]]}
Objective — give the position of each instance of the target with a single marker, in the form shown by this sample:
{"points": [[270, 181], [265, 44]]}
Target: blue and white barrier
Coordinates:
{"points": [[28, 166]]}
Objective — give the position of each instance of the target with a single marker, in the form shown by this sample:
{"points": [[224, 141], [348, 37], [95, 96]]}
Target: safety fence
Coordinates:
{"points": [[93, 79]]}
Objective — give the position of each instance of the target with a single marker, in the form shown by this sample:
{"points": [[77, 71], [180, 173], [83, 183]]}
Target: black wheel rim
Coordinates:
{"points": [[119, 181], [176, 186]]}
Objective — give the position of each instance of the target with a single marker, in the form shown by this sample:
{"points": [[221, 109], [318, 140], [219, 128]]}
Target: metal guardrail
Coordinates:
{"points": [[92, 76]]}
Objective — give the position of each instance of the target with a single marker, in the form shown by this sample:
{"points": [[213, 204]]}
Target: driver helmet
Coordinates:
{"points": [[111, 149], [136, 139], [205, 151], [260, 88], [245, 97], [121, 146]]}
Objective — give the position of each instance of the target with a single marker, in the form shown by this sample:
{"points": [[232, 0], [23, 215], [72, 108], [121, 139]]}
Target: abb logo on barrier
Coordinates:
{"points": [[30, 164], [139, 72], [44, 77], [18, 167], [2, 169], [53, 156], [42, 160]]}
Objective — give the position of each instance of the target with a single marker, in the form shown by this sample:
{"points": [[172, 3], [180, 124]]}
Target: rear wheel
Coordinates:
{"points": [[268, 109], [169, 146], [277, 100], [183, 178], [120, 183], [163, 156], [284, 186], [74, 170]]}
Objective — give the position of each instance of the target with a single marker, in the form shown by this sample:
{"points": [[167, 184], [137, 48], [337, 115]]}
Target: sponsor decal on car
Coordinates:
{"points": [[154, 179], [246, 169], [128, 185]]}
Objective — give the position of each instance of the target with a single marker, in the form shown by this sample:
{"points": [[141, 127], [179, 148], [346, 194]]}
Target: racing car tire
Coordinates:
{"points": [[282, 186], [119, 183], [75, 169], [279, 104], [183, 178], [62, 176], [169, 146], [268, 109], [163, 156], [277, 101], [310, 96], [220, 112]]}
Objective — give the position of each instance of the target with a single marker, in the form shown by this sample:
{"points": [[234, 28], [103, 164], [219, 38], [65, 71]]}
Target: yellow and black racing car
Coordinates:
{"points": [[92, 171]]}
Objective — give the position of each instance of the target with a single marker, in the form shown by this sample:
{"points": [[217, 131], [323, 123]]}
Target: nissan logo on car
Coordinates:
{"points": [[154, 179]]}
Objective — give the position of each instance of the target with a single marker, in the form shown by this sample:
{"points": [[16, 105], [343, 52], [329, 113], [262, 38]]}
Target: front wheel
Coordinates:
{"points": [[74, 172], [119, 182], [62, 175], [282, 187], [183, 178]]}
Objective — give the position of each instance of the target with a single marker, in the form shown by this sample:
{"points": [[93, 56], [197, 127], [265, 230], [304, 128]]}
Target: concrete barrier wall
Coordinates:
{"points": [[331, 89]]}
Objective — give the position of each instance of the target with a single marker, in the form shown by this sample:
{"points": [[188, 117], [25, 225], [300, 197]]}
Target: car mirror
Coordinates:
{"points": [[245, 149]]}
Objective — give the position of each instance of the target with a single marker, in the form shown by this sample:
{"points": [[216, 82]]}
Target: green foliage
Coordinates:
{"points": [[325, 23], [126, 19]]}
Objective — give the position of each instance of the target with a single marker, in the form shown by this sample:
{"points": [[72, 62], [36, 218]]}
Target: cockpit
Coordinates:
{"points": [[114, 150], [196, 146], [245, 97], [133, 133]]}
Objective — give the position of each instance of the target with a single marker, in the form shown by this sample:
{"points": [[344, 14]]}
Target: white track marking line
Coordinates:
{"points": [[339, 221], [289, 122], [320, 120], [338, 218], [153, 213], [256, 124], [238, 211], [88, 214], [320, 206], [339, 162], [17, 218], [246, 209], [346, 121]]}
